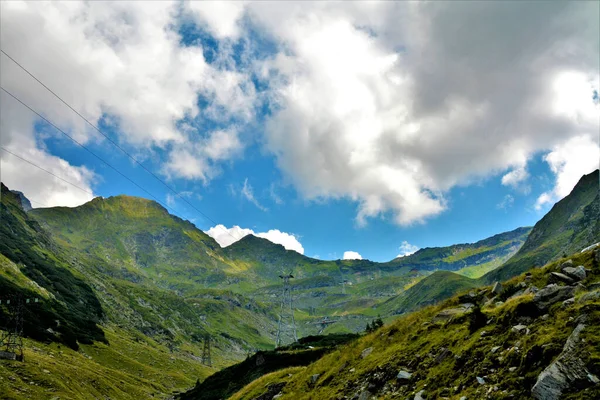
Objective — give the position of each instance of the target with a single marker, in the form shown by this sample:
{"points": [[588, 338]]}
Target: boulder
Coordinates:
{"points": [[569, 302], [557, 277], [577, 273], [519, 329], [566, 264], [314, 378], [497, 288], [366, 352], [566, 373], [495, 349], [419, 395], [551, 294], [403, 375], [480, 380]]}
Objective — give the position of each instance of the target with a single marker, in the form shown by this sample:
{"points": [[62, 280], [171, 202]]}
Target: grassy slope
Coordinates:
{"points": [[415, 343], [142, 339], [430, 290], [571, 224]]}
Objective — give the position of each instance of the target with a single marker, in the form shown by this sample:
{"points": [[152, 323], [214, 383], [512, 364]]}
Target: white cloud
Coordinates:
{"points": [[222, 17], [371, 111], [287, 240], [578, 156], [406, 249], [387, 104], [248, 193], [170, 200], [351, 255], [517, 179], [226, 236], [506, 202], [123, 61]]}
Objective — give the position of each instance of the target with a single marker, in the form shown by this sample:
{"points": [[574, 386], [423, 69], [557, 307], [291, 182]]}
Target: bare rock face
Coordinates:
{"points": [[552, 294], [566, 372], [576, 273]]}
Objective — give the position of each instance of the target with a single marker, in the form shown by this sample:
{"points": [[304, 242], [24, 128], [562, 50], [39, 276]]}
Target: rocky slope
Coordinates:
{"points": [[535, 336]]}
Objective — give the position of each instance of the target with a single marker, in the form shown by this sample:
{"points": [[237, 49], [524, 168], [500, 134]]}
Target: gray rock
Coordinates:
{"points": [[552, 294], [567, 371], [366, 352], [419, 395], [495, 349], [497, 288], [593, 378], [365, 395], [463, 398], [569, 302], [403, 375], [512, 369], [577, 273], [519, 328], [558, 277], [566, 264], [314, 378], [481, 380]]}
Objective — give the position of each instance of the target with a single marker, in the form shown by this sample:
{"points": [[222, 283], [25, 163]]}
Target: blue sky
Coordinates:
{"points": [[326, 127]]}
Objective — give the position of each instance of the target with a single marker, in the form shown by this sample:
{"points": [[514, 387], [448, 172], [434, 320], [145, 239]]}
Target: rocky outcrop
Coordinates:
{"points": [[566, 372], [551, 294]]}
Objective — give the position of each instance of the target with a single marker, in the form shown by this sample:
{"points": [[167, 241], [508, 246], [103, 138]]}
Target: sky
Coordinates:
{"points": [[338, 129]]}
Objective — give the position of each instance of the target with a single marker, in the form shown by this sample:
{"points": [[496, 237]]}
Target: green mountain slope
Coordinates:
{"points": [[572, 224], [143, 239], [437, 286], [486, 253], [513, 349], [33, 266], [131, 338]]}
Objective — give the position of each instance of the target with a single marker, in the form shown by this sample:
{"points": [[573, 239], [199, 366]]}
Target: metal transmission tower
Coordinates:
{"points": [[286, 328], [11, 341], [206, 351]]}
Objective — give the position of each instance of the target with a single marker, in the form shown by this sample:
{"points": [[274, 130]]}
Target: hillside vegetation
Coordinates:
{"points": [[511, 344]]}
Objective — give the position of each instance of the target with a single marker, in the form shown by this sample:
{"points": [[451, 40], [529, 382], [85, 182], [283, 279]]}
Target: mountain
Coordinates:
{"points": [[484, 254], [572, 224], [33, 266], [538, 343], [106, 324], [437, 286]]}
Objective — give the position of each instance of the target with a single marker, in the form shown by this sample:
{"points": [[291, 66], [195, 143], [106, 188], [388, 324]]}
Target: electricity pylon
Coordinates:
{"points": [[287, 325]]}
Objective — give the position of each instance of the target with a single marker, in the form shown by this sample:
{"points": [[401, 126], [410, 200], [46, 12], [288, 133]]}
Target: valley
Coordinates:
{"points": [[129, 294]]}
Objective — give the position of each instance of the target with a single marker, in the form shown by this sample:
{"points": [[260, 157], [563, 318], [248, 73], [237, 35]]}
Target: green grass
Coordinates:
{"points": [[414, 343]]}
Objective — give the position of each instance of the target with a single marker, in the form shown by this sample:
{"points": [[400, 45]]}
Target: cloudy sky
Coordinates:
{"points": [[357, 129]]}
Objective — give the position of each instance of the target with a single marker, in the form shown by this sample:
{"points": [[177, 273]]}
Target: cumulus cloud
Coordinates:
{"points": [[371, 111], [388, 104], [578, 156], [122, 62], [406, 249], [226, 236], [351, 255]]}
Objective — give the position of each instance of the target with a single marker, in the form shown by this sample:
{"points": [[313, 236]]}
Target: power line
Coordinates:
{"points": [[88, 150], [115, 144], [45, 170]]}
